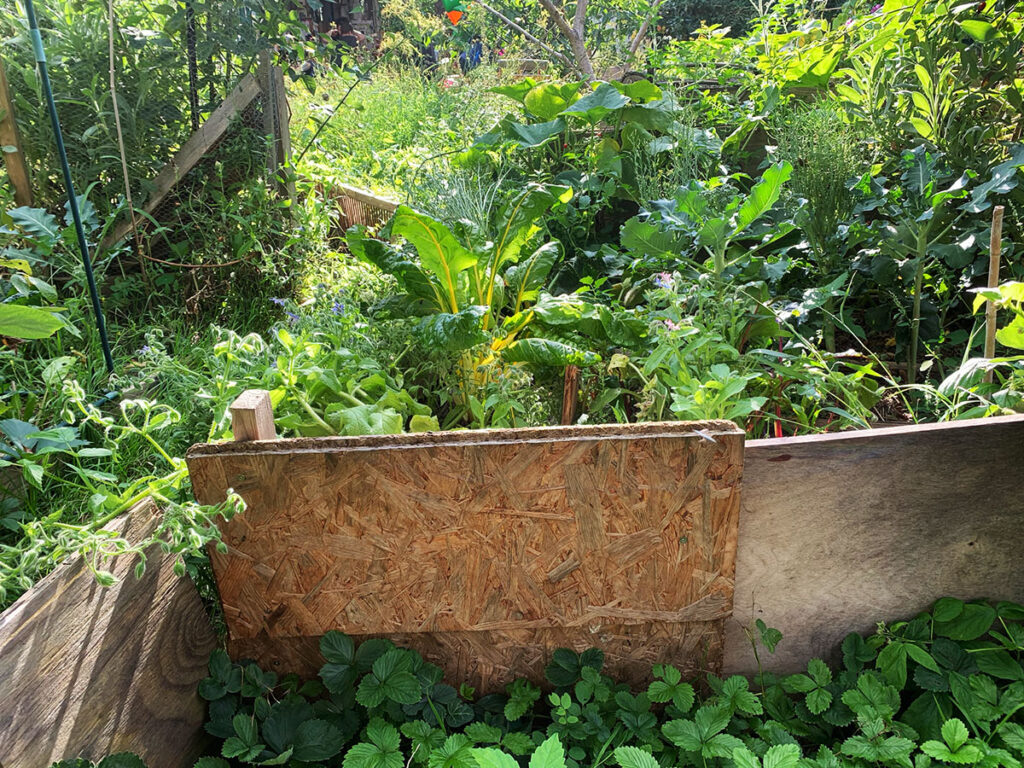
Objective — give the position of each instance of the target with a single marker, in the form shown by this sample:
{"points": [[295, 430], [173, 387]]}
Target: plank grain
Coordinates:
{"points": [[838, 532], [87, 671], [483, 550]]}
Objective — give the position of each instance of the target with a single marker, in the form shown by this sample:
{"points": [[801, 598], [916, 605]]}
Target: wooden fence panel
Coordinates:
{"points": [[87, 671], [840, 531], [483, 550]]}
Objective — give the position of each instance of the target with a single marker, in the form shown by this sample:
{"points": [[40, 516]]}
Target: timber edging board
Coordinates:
{"points": [[840, 531], [484, 550], [87, 671]]}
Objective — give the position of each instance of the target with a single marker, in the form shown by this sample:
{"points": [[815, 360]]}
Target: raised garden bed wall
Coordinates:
{"points": [[482, 550], [839, 531], [87, 671]]}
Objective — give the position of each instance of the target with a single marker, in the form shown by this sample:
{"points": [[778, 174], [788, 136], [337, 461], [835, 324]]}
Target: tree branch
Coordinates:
{"points": [[642, 32], [580, 19], [579, 50], [512, 25]]}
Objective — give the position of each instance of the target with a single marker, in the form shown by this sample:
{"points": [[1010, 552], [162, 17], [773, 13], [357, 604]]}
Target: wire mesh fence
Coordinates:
{"points": [[133, 82]]}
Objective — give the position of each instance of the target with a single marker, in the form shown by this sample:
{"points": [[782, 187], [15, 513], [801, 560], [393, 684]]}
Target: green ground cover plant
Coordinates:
{"points": [[943, 688]]}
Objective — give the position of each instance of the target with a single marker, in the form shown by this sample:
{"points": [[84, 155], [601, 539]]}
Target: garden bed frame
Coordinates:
{"points": [[835, 532], [483, 550], [87, 671]]}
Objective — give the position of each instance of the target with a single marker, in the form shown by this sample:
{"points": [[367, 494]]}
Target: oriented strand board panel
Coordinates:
{"points": [[483, 550], [838, 532], [87, 671]]}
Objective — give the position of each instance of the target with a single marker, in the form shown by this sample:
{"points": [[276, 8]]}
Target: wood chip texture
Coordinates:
{"points": [[483, 550]]}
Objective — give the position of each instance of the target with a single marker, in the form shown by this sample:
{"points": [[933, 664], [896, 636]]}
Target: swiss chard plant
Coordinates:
{"points": [[480, 294]]}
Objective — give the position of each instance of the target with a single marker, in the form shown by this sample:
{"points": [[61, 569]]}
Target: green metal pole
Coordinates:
{"points": [[69, 186]]}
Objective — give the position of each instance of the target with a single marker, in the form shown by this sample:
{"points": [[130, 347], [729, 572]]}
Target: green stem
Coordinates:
{"points": [[915, 321], [314, 415]]}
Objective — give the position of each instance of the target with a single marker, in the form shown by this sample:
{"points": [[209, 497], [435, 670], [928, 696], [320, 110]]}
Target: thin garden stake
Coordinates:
{"points": [[994, 252], [120, 140], [69, 186]]}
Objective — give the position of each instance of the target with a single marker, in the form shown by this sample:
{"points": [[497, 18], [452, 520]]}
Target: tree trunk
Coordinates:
{"points": [[573, 33]]}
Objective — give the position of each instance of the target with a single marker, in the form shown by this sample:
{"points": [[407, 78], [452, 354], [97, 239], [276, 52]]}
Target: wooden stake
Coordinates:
{"points": [[994, 250], [252, 416], [17, 169], [570, 393], [192, 151]]}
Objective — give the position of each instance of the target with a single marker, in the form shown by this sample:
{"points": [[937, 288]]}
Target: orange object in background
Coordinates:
{"points": [[454, 16]]}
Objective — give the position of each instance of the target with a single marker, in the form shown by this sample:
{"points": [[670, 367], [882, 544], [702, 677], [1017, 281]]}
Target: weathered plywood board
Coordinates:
{"points": [[483, 550], [87, 671], [840, 531]]}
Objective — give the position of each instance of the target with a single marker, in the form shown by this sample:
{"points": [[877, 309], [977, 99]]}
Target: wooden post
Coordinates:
{"points": [[17, 168], [275, 124], [570, 393], [994, 251], [191, 152], [252, 416], [282, 133]]}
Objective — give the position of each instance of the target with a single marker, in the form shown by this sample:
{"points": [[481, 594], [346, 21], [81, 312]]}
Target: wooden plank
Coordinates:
{"points": [[840, 531], [570, 393], [484, 550], [87, 671], [282, 133], [363, 196], [193, 150], [17, 168], [252, 416]]}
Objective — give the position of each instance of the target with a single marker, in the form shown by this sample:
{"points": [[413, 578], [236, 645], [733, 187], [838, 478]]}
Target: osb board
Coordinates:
{"points": [[87, 671], [497, 546], [838, 532]]}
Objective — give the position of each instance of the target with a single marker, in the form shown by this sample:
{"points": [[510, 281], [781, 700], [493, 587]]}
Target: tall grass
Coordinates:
{"points": [[392, 124]]}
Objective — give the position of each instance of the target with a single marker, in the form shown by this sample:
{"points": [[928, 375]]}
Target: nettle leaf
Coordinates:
{"points": [[455, 752], [782, 756], [392, 679], [634, 757], [493, 758], [424, 739], [974, 621], [1012, 735], [371, 756], [872, 698], [770, 636], [738, 698], [121, 760], [954, 747], [671, 688], [339, 673], [521, 696], [549, 754], [316, 740]]}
